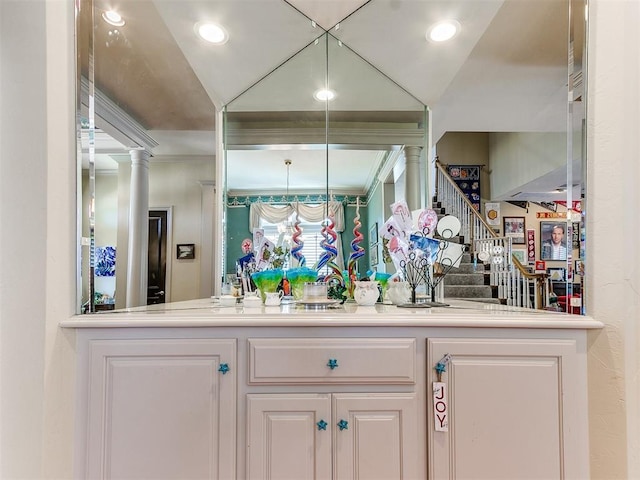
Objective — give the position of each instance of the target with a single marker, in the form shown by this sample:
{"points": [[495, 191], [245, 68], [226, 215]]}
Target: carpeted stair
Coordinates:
{"points": [[469, 281]]}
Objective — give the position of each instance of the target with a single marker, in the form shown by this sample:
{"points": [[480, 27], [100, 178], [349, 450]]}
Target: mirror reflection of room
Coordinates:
{"points": [[204, 163]]}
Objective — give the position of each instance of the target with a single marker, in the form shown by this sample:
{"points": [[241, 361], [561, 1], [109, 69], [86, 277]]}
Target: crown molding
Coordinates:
{"points": [[116, 122]]}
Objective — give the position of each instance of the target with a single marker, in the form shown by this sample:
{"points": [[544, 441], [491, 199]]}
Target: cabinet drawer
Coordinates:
{"points": [[309, 360]]}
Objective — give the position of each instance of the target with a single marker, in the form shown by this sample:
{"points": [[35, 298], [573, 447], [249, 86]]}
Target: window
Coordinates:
{"points": [[280, 234]]}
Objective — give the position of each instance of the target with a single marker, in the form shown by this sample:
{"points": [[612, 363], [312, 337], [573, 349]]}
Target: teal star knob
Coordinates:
{"points": [[343, 425], [440, 368], [223, 368], [322, 425], [333, 363]]}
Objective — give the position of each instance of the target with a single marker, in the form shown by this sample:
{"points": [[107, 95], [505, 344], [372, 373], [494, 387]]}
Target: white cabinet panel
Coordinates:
{"points": [[507, 411], [381, 438], [364, 436], [161, 409], [356, 360], [284, 441]]}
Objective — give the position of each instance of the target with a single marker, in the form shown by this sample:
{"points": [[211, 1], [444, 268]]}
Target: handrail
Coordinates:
{"points": [[541, 282], [515, 285], [464, 198]]}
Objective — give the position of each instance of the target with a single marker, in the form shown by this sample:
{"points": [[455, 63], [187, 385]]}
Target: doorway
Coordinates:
{"points": [[157, 257]]}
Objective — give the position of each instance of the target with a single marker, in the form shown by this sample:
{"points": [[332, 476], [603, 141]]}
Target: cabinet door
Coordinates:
{"points": [[284, 439], [516, 410], [161, 409], [379, 438]]}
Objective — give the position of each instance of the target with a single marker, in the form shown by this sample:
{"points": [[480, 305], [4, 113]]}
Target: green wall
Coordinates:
{"points": [[375, 214], [237, 227], [237, 223]]}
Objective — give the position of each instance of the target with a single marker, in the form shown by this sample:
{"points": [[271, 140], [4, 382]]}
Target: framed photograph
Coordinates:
{"points": [[575, 235], [521, 255], [373, 235], [373, 255], [514, 228], [557, 274], [553, 240], [186, 251]]}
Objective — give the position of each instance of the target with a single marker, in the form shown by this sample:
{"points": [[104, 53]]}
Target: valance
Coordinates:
{"points": [[308, 213]]}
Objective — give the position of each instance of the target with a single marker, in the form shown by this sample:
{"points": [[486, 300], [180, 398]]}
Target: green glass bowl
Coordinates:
{"points": [[267, 280], [298, 277]]}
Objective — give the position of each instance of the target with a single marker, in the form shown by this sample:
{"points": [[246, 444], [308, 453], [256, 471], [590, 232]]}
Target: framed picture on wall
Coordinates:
{"points": [[553, 241], [521, 255], [575, 235], [514, 228], [373, 235], [373, 255], [557, 274], [186, 251]]}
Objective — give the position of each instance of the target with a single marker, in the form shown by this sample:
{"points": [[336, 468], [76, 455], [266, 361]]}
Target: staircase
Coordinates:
{"points": [[469, 281], [503, 279]]}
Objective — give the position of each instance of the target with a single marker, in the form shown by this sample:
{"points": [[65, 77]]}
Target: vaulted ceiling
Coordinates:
{"points": [[506, 71]]}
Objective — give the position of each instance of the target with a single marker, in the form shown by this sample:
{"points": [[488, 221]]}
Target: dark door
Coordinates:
{"points": [[157, 265]]}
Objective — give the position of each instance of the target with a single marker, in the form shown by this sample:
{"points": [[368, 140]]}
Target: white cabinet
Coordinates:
{"points": [[333, 436], [516, 410], [159, 403], [161, 409]]}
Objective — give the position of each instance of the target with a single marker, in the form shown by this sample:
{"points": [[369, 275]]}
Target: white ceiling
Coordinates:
{"points": [[506, 70]]}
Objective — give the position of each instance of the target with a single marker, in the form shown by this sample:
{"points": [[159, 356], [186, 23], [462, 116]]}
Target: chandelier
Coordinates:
{"points": [[285, 228]]}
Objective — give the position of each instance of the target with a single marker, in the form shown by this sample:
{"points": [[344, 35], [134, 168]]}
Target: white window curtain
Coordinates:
{"points": [[308, 213]]}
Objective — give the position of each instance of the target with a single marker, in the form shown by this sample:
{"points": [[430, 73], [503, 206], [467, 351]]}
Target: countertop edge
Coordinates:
{"points": [[190, 321]]}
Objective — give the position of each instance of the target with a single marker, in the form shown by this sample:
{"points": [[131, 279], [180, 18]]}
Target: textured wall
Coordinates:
{"points": [[613, 263]]}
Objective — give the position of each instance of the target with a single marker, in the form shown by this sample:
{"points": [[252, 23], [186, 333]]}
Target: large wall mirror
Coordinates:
{"points": [[183, 142]]}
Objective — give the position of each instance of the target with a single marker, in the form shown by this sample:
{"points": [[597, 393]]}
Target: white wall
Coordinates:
{"points": [[519, 158], [173, 183], [177, 184], [613, 259], [37, 238]]}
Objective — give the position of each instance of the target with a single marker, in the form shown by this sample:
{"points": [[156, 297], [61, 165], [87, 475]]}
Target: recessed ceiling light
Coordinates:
{"points": [[443, 31], [212, 33], [324, 95], [113, 18]]}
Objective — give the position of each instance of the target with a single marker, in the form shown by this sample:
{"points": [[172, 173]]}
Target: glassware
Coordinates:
{"points": [[314, 291], [298, 277], [383, 279], [267, 280]]}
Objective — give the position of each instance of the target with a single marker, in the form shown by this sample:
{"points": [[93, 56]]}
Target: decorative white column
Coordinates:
{"points": [[206, 242], [412, 176], [138, 230]]}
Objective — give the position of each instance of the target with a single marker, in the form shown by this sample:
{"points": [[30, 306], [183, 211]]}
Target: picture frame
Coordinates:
{"points": [[521, 255], [547, 249], [575, 235], [557, 274], [373, 235], [186, 251], [579, 267], [373, 255], [515, 228]]}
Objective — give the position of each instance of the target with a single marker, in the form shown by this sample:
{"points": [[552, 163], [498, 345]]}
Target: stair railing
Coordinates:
{"points": [[515, 284]]}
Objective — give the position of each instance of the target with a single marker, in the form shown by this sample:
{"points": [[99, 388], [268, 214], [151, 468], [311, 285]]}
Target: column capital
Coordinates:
{"points": [[139, 155]]}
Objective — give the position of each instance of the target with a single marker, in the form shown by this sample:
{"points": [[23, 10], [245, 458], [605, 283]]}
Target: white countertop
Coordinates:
{"points": [[209, 313]]}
